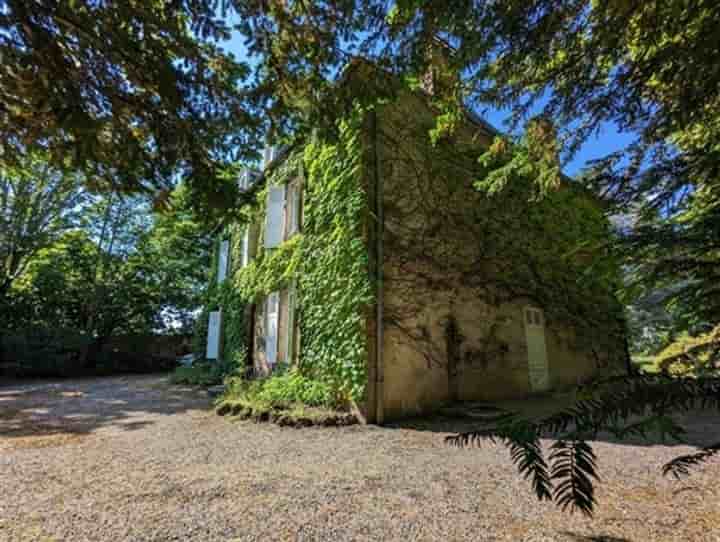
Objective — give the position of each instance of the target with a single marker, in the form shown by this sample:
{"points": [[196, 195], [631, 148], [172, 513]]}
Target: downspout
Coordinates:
{"points": [[379, 286]]}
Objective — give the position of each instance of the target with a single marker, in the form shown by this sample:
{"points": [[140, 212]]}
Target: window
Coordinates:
{"points": [[290, 333], [270, 153], [246, 247], [533, 317], [247, 179]]}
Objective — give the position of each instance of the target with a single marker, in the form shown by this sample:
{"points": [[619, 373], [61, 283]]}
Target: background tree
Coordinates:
{"points": [[121, 268], [37, 204]]}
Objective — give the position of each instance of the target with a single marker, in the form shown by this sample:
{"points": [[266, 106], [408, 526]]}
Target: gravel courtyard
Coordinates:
{"points": [[133, 458]]}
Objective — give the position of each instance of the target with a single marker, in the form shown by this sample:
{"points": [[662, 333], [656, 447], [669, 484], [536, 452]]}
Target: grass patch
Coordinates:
{"points": [[287, 398]]}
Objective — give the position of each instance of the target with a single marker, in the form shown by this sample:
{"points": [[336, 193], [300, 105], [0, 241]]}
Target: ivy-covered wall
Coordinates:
{"points": [[326, 261]]}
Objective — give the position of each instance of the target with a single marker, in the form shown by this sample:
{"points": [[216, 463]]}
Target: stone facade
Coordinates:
{"points": [[457, 284], [465, 307]]}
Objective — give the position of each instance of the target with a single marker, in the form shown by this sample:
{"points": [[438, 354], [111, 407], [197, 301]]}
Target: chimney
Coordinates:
{"points": [[440, 76]]}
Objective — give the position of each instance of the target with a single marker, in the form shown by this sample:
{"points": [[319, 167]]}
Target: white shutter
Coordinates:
{"points": [[213, 336], [290, 335], [246, 246], [272, 310], [274, 216], [223, 260], [293, 207]]}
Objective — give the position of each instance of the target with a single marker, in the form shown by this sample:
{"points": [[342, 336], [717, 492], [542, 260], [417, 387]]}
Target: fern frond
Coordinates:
{"points": [[523, 440], [573, 471], [626, 406]]}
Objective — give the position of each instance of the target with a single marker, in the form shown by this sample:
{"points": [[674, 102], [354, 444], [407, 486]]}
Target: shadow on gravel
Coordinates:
{"points": [[702, 426], [594, 538], [80, 406]]}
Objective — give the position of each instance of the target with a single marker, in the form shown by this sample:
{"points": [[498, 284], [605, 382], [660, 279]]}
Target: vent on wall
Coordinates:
{"points": [[533, 317]]}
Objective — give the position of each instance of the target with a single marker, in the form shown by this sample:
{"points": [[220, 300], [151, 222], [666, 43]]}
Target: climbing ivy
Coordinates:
{"points": [[327, 261], [334, 286]]}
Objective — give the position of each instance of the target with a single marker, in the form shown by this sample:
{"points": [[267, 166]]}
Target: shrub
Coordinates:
{"points": [[286, 398], [41, 351], [692, 355], [293, 387], [281, 389]]}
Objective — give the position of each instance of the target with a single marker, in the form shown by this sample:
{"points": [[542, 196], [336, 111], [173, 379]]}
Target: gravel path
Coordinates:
{"points": [[135, 459]]}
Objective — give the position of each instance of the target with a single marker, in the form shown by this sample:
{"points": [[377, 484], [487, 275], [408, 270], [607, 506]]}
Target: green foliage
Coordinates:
{"points": [[42, 351], [334, 285], [95, 266], [121, 271], [692, 355], [286, 398], [282, 389], [328, 261], [133, 93], [38, 204]]}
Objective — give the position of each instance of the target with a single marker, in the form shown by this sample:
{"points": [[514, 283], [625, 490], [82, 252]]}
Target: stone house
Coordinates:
{"points": [[473, 297]]}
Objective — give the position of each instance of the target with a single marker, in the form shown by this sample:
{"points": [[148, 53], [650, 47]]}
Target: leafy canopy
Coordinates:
{"points": [[133, 92]]}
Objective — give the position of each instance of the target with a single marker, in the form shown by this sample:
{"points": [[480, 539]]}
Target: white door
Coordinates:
{"points": [[272, 310], [537, 350], [213, 336]]}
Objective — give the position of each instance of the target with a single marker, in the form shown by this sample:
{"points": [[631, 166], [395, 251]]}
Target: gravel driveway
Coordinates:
{"points": [[135, 459]]}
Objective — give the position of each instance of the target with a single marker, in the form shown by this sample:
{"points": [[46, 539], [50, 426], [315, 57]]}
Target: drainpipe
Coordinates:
{"points": [[379, 305]]}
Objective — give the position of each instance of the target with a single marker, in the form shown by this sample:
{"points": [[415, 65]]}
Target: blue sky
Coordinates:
{"points": [[609, 140]]}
